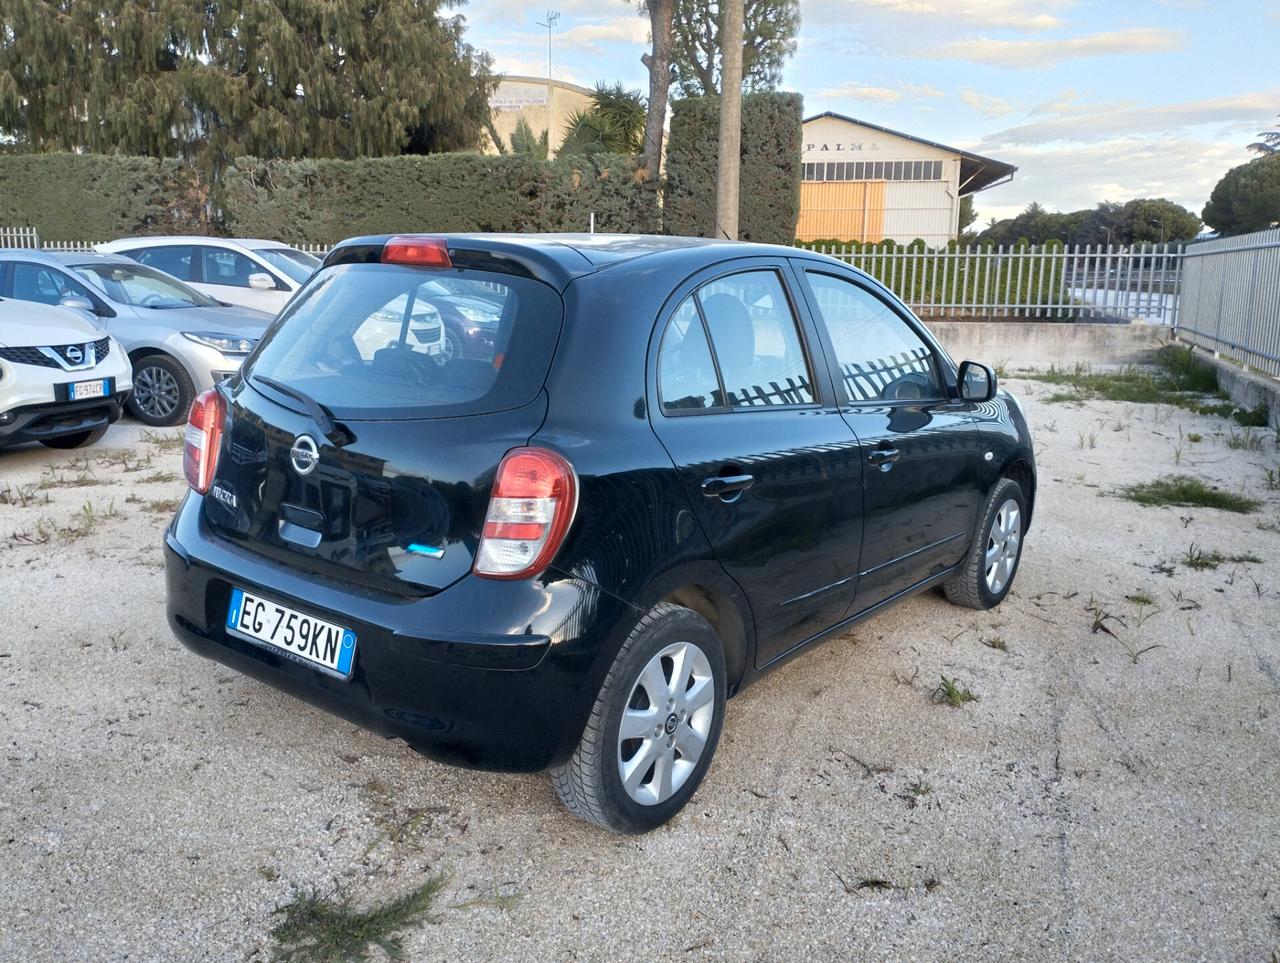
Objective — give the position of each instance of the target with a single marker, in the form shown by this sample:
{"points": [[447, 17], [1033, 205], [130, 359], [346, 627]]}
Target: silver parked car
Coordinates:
{"points": [[179, 341]]}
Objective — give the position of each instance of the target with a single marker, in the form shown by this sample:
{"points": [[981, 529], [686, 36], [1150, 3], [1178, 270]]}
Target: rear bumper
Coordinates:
{"points": [[487, 674], [59, 418]]}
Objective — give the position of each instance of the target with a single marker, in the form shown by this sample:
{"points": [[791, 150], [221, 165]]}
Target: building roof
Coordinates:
{"points": [[977, 172], [545, 82]]}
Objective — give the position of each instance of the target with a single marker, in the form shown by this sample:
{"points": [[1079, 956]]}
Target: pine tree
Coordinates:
{"points": [[271, 78], [770, 33]]}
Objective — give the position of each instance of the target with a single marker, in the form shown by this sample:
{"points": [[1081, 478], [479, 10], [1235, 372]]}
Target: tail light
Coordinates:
{"points": [[534, 500], [203, 438]]}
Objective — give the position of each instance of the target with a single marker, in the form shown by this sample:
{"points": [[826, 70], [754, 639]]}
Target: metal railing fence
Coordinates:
{"points": [[1231, 298], [1049, 282], [1028, 282]]}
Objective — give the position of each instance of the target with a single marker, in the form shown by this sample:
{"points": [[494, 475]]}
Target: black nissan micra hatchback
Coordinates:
{"points": [[649, 471]]}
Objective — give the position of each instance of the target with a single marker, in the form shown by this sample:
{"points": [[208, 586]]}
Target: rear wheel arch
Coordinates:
{"points": [[723, 614]]}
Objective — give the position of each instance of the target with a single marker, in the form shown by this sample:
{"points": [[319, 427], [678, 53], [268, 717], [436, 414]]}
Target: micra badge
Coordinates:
{"points": [[225, 496]]}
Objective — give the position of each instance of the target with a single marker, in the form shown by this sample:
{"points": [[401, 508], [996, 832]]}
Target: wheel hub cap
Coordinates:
{"points": [[1003, 544], [666, 723]]}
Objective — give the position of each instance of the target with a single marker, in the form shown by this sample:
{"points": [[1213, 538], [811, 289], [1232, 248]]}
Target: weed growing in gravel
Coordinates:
{"points": [[1198, 559], [1195, 437], [995, 642], [1089, 440], [1247, 440], [914, 790], [1141, 598], [83, 477], [157, 506], [1184, 490], [1133, 652], [320, 929], [1273, 480], [953, 693], [124, 459], [1252, 417], [161, 477], [164, 440], [22, 496]]}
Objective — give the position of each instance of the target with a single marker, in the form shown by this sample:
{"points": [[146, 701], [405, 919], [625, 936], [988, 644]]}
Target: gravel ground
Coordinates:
{"points": [[1098, 802]]}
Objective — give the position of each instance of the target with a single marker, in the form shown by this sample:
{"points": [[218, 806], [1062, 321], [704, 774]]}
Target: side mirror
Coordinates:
{"points": [[262, 282], [977, 382], [78, 302]]}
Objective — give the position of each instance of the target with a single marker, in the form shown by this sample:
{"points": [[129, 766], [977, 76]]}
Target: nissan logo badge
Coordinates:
{"points": [[74, 354], [304, 454]]}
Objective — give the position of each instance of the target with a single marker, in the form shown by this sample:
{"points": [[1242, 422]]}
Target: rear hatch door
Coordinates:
{"points": [[394, 496]]}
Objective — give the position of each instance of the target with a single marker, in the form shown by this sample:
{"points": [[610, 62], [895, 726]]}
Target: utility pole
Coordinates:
{"points": [[727, 181]]}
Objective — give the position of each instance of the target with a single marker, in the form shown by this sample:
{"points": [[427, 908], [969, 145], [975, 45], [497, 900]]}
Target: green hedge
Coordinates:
{"points": [[97, 197], [326, 200], [770, 176]]}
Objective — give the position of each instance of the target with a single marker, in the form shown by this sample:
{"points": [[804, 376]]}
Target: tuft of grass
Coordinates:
{"points": [[1195, 437], [1257, 417], [995, 642], [22, 495], [1247, 440], [161, 477], [318, 929], [1141, 598], [164, 440], [1198, 559], [1185, 490], [952, 693]]}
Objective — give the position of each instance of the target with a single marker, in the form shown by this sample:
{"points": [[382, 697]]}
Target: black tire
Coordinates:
{"points": [[162, 391], [969, 587], [590, 784], [78, 440]]}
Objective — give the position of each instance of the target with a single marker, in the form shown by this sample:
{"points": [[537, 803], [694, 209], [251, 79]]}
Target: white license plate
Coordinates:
{"points": [[88, 389], [304, 638]]}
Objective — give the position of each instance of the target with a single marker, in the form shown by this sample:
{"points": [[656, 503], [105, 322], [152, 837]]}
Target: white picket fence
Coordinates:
{"points": [[1231, 298]]}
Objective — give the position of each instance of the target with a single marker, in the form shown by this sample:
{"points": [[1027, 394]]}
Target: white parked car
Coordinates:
{"points": [[244, 271], [63, 380]]}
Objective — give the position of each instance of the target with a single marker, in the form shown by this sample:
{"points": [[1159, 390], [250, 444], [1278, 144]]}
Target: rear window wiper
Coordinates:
{"points": [[337, 435]]}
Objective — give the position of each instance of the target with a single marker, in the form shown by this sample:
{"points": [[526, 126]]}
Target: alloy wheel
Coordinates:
{"points": [[156, 392], [666, 723], [1003, 543]]}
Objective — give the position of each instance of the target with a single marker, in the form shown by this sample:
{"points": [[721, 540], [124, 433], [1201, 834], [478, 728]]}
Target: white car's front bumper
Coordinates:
{"points": [[37, 401]]}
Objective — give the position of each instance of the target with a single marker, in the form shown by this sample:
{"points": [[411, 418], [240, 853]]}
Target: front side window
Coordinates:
{"points": [[177, 260], [298, 265], [228, 267], [880, 357], [756, 342]]}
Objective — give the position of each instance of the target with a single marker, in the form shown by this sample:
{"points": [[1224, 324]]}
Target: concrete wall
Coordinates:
{"points": [[1040, 344], [1248, 389]]}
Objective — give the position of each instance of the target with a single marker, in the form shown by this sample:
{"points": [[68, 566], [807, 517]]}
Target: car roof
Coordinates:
{"points": [[90, 257], [559, 258], [252, 243]]}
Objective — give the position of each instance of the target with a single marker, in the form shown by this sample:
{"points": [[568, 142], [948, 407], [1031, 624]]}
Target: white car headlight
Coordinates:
{"points": [[226, 343]]}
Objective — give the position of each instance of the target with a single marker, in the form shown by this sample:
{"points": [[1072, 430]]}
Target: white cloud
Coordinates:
{"points": [[1069, 120], [857, 91], [1022, 15], [1067, 178], [986, 104], [1042, 53]]}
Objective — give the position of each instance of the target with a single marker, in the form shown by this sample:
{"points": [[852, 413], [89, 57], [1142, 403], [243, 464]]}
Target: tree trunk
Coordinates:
{"points": [[659, 63], [730, 120]]}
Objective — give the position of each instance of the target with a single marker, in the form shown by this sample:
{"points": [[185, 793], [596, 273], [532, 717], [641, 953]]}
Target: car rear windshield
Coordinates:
{"points": [[378, 341]]}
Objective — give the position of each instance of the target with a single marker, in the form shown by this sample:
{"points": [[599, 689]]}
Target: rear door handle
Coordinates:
{"points": [[718, 486], [884, 456]]}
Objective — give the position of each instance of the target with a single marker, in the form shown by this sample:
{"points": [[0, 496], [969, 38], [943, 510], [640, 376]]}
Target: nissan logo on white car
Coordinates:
{"points": [[74, 353], [304, 454]]}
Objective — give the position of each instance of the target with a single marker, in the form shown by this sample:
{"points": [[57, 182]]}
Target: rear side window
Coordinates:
{"points": [[686, 373], [753, 332], [178, 260], [377, 341], [880, 357]]}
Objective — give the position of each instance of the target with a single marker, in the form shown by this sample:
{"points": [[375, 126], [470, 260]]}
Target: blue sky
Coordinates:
{"points": [[1092, 100]]}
